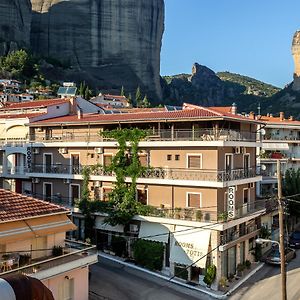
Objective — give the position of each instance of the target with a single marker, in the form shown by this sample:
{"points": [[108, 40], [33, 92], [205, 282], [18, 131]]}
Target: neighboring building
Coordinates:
{"points": [[10, 85], [20, 97], [33, 242], [114, 101], [199, 157], [281, 140]]}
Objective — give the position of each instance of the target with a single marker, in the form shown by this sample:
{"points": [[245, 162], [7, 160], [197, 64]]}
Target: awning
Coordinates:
{"points": [[32, 228], [190, 245], [275, 146], [99, 224], [154, 232]]}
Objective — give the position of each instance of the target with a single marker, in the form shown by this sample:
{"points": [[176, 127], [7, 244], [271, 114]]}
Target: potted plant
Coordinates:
{"points": [[240, 268], [177, 212], [223, 216], [223, 283], [210, 275], [199, 215]]}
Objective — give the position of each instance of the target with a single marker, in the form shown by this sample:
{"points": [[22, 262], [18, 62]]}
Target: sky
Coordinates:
{"points": [[249, 37]]}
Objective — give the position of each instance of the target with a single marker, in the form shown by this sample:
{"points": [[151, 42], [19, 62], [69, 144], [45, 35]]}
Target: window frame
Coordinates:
{"points": [[187, 199], [194, 154]]}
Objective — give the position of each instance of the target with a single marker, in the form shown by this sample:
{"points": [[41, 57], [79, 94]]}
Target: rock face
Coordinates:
{"points": [[107, 42], [296, 56], [15, 23]]}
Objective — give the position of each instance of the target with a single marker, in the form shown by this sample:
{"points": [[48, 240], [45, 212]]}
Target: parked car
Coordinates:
{"points": [[273, 257], [294, 240]]}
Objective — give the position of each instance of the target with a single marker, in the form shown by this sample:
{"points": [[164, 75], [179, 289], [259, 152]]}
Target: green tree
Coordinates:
{"points": [[138, 97], [87, 93], [145, 102], [122, 93]]}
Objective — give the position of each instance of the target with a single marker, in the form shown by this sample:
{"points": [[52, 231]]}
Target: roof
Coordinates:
{"points": [[190, 112], [278, 120], [116, 97], [15, 207], [36, 103], [20, 116]]}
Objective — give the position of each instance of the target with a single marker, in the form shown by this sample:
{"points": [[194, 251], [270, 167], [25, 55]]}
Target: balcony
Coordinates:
{"points": [[155, 135], [17, 170], [156, 173], [13, 142], [74, 255], [202, 215]]}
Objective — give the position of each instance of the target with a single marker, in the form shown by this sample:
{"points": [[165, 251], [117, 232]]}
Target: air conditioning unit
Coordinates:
{"points": [[99, 150], [133, 228], [237, 150], [67, 181], [35, 180], [63, 150], [36, 150]]}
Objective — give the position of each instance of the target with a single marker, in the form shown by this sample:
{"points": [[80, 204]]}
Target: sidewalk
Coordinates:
{"points": [[207, 291]]}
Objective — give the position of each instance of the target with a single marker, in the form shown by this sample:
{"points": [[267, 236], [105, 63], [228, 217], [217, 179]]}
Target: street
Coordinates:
{"points": [[266, 283], [113, 281]]}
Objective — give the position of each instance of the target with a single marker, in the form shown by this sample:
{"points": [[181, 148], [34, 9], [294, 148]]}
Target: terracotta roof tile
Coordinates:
{"points": [[36, 103], [275, 120], [15, 206], [196, 112], [18, 116]]}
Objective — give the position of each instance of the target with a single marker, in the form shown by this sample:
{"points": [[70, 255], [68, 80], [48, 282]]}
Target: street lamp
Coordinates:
{"points": [[260, 241]]}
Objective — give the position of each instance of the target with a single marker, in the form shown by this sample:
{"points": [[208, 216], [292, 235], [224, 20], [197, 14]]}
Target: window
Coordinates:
{"points": [[105, 194], [228, 162], [107, 159], [47, 191], [246, 196], [169, 157], [194, 200], [194, 161], [143, 160], [142, 196], [177, 157]]}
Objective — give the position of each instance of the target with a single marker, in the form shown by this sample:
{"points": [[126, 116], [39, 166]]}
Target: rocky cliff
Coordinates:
{"points": [[108, 43], [15, 22]]}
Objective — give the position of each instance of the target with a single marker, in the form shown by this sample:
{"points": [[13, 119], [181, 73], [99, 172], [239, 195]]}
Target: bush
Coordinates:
{"points": [[181, 272], [210, 275], [118, 245], [57, 250], [248, 264], [149, 254]]}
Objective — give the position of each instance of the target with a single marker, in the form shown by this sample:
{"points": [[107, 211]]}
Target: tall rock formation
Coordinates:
{"points": [[15, 23], [296, 56], [107, 42]]}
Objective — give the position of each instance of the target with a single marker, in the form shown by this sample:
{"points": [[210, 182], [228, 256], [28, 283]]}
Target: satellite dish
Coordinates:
{"points": [[263, 167], [263, 131]]}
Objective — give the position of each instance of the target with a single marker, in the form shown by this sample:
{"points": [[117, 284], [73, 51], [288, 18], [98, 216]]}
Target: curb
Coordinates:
{"points": [[214, 295]]}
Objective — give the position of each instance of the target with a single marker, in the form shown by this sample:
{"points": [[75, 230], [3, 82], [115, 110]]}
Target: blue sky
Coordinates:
{"points": [[250, 37]]}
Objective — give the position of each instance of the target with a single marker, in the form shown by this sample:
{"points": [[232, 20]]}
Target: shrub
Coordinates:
{"points": [[181, 272], [149, 254], [248, 264], [118, 245], [57, 250], [210, 275]]}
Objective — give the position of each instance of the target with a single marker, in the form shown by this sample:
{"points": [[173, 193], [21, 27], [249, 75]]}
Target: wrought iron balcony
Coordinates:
{"points": [[157, 173]]}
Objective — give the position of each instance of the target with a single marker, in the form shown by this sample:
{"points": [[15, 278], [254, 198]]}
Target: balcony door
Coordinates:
{"points": [[47, 191], [246, 200], [75, 163], [47, 162], [74, 193], [246, 164]]}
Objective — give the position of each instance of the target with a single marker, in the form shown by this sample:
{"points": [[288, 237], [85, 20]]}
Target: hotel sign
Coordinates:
{"points": [[231, 202]]}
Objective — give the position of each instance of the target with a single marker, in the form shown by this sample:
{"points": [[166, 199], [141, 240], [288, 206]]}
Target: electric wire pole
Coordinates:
{"points": [[281, 233]]}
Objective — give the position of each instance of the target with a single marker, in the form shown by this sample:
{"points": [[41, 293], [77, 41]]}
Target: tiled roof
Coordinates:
{"points": [[15, 206], [37, 103], [190, 113], [275, 120], [20, 116]]}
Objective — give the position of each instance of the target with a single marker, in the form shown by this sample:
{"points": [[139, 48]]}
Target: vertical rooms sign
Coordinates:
{"points": [[231, 202]]}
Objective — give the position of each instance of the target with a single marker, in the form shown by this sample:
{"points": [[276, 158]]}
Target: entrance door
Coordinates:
{"points": [[75, 194], [75, 164], [47, 191], [228, 166]]}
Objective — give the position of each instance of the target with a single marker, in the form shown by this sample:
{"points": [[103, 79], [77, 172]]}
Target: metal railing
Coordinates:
{"points": [[17, 170], [72, 251], [156, 135], [157, 173]]}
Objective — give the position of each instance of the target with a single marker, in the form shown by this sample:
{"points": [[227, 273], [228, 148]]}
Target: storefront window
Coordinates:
{"points": [[231, 261]]}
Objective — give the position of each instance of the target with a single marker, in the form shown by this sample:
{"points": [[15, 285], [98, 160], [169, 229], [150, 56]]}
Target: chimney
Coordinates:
{"points": [[291, 118], [233, 109], [79, 114], [281, 116], [268, 115], [252, 115], [73, 106]]}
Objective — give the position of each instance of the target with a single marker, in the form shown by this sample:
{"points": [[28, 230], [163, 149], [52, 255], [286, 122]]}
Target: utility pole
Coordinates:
{"points": [[281, 233]]}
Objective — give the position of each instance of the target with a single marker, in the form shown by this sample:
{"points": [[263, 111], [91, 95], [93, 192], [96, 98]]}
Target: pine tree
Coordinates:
{"points": [[146, 102], [82, 89], [122, 93], [87, 93], [138, 97]]}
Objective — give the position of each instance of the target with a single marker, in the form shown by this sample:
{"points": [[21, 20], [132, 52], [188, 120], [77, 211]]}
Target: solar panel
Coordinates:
{"points": [[62, 90]]}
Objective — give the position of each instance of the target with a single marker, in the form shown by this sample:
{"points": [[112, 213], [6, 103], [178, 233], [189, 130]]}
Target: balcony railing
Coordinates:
{"points": [[155, 135], [72, 252], [157, 173], [17, 170], [13, 142]]}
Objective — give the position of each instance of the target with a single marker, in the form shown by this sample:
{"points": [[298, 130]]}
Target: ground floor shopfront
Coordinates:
{"points": [[188, 248]]}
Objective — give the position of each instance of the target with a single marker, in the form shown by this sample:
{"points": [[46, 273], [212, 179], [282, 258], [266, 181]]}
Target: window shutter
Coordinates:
{"points": [[194, 162], [194, 200], [143, 160], [107, 159]]}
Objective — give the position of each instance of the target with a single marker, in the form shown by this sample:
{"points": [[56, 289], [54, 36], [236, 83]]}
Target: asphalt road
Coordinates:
{"points": [[112, 281], [266, 283]]}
